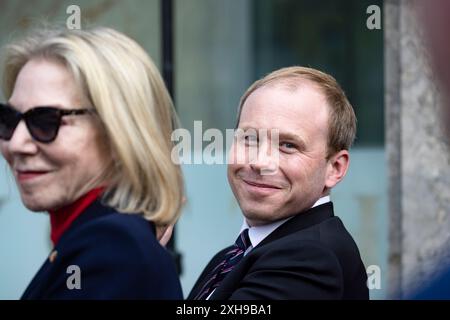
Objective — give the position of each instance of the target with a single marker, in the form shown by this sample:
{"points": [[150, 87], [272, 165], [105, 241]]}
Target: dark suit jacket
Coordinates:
{"points": [[118, 256], [310, 256]]}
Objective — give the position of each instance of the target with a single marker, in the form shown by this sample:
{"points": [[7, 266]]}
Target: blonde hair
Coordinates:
{"points": [[342, 119], [124, 86]]}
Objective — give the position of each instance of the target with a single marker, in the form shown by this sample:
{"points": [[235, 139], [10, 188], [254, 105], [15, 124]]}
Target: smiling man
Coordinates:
{"points": [[291, 245]]}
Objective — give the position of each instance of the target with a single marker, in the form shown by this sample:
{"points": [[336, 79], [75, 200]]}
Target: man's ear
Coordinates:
{"points": [[337, 168]]}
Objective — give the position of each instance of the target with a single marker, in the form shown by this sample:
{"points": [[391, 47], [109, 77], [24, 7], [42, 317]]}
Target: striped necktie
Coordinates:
{"points": [[232, 257]]}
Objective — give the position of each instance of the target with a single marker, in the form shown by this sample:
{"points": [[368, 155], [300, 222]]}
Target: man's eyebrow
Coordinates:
{"points": [[247, 130], [281, 135], [292, 137]]}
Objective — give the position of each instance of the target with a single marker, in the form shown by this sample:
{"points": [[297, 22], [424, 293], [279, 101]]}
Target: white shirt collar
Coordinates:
{"points": [[259, 233], [322, 200]]}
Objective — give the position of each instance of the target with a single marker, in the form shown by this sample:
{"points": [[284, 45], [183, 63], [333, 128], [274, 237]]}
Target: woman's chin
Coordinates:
{"points": [[34, 205]]}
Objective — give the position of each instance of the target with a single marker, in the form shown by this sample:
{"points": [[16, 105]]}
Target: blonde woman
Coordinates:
{"points": [[86, 133]]}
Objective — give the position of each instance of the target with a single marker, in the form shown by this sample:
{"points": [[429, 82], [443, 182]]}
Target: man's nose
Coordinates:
{"points": [[267, 159], [21, 141]]}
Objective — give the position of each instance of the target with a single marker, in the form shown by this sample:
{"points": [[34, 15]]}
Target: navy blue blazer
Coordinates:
{"points": [[118, 257], [437, 289]]}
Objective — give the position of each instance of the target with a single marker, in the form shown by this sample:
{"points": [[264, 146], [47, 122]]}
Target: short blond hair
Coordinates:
{"points": [[342, 119], [124, 86]]}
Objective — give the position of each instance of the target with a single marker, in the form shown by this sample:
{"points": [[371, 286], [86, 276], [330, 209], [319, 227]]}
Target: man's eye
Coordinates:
{"points": [[251, 140], [287, 146]]}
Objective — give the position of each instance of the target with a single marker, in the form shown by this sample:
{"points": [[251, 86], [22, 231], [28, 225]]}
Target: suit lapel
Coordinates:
{"points": [[299, 222], [207, 273]]}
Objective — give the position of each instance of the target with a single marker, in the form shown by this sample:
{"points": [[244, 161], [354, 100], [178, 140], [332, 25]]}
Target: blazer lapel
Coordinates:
{"points": [[300, 221], [207, 273], [95, 210]]}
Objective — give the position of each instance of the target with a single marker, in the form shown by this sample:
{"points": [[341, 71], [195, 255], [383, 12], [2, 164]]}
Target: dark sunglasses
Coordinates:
{"points": [[42, 122]]}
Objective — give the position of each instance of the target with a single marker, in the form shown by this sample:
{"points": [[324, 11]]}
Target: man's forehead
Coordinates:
{"points": [[292, 84], [298, 91], [283, 103], [291, 118]]}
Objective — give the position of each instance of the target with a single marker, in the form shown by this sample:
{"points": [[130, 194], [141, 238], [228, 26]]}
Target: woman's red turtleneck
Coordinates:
{"points": [[61, 219]]}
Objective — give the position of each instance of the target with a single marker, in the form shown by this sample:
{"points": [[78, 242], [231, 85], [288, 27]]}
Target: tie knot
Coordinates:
{"points": [[243, 241]]}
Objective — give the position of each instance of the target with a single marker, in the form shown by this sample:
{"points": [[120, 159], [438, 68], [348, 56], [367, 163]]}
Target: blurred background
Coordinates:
{"points": [[395, 199]]}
